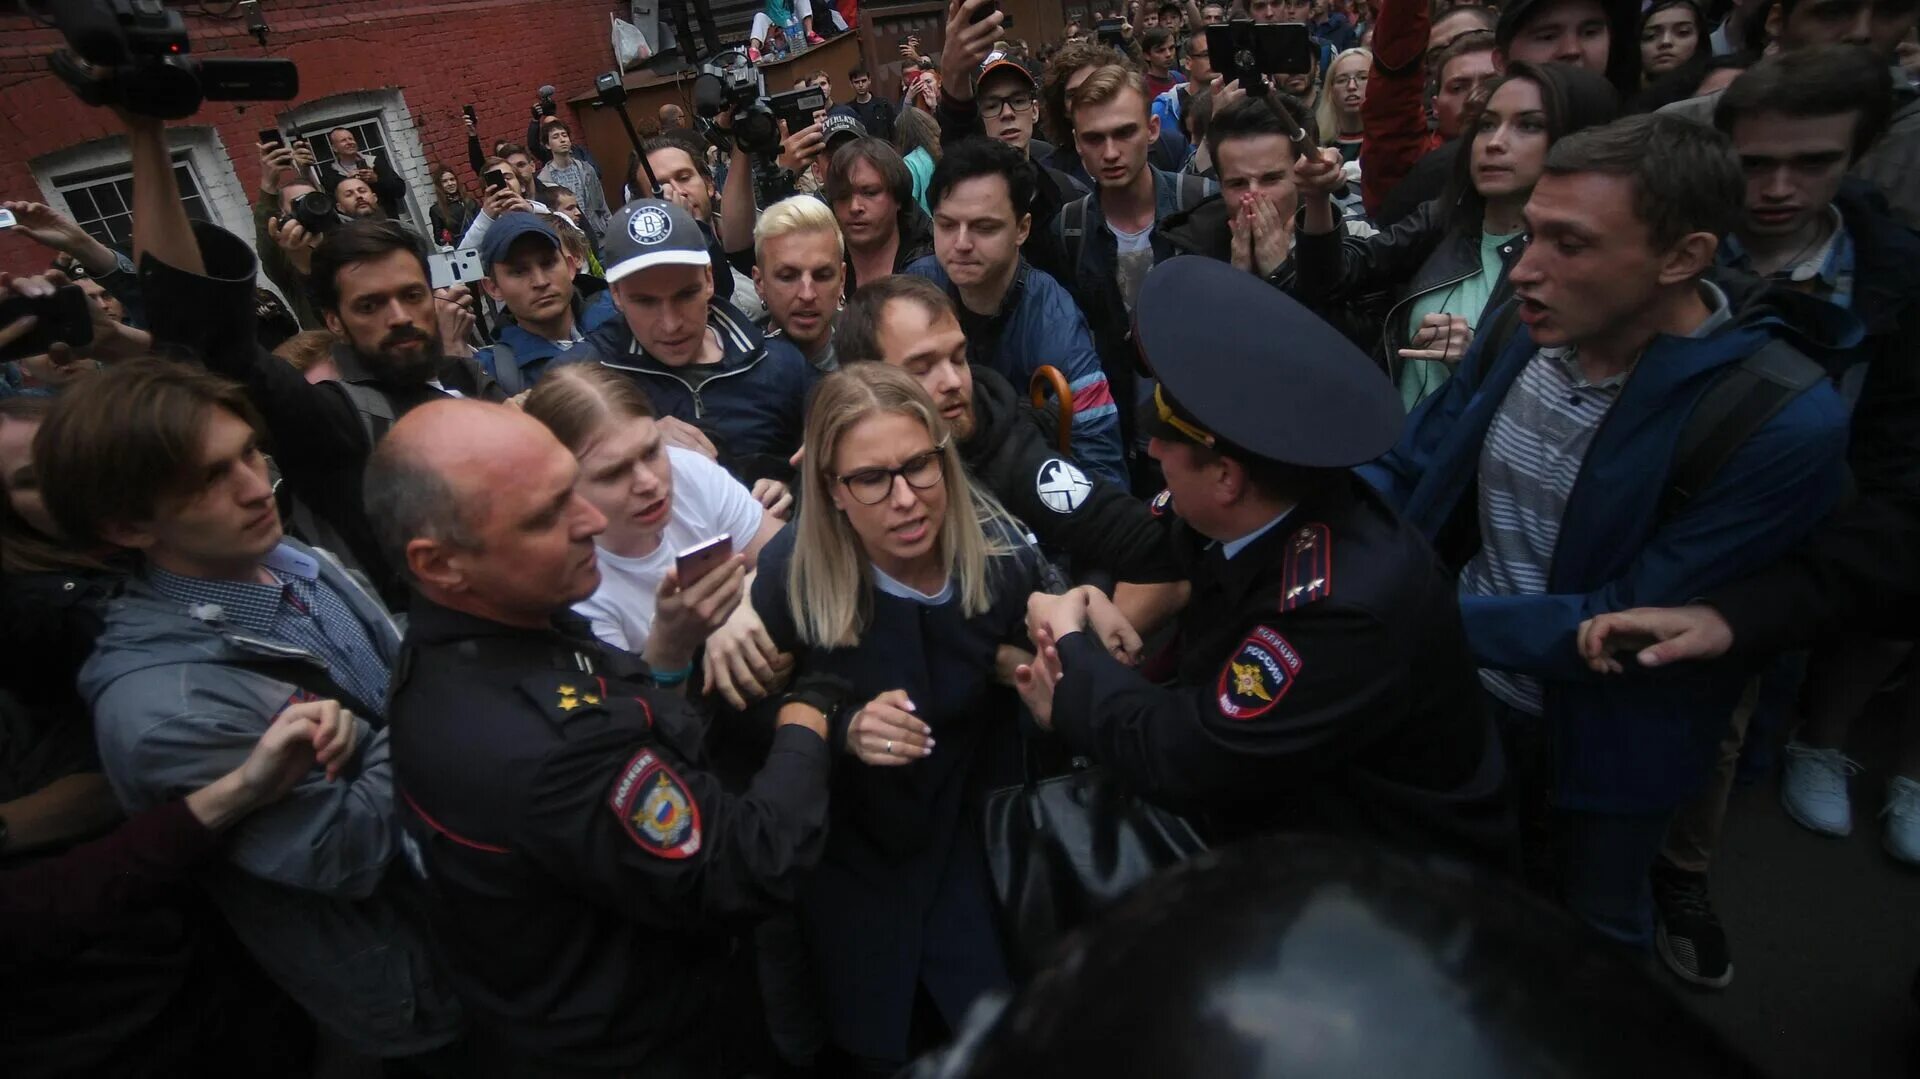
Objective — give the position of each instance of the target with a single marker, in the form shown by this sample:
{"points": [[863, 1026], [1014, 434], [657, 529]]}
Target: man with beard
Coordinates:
{"points": [[371, 286], [1002, 101], [909, 322], [355, 200]]}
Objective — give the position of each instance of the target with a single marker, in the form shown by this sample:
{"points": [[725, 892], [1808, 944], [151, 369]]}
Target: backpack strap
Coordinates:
{"points": [[1742, 399], [376, 412], [1193, 189], [1073, 229], [505, 371]]}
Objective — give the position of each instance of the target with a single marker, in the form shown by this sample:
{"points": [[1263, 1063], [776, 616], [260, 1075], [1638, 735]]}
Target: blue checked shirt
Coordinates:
{"points": [[301, 611]]}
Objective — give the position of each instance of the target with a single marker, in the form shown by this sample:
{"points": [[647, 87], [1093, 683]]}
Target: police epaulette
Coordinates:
{"points": [[560, 695], [1309, 574]]}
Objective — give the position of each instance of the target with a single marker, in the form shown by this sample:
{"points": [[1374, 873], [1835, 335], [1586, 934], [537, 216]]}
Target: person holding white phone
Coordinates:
{"points": [[659, 500]]}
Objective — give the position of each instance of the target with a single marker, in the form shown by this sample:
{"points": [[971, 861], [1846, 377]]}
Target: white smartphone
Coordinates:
{"points": [[449, 268], [6, 219]]}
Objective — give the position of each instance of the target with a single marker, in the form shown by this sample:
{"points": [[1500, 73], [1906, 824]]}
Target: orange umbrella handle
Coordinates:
{"points": [[1048, 378]]}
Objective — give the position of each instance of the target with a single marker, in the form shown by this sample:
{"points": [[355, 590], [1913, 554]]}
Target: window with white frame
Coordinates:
{"points": [[101, 200], [381, 127], [92, 182]]}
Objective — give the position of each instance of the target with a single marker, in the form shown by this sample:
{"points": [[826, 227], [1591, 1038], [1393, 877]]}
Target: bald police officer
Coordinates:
{"points": [[1321, 678], [584, 867]]}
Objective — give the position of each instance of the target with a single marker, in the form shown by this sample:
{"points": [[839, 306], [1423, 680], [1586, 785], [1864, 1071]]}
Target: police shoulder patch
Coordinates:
{"points": [[1257, 675], [1161, 503], [1061, 486], [1309, 571], [655, 807]]}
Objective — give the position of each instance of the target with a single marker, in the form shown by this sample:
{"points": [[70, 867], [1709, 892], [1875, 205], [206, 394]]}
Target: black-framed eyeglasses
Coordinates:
{"points": [[871, 486], [991, 107]]}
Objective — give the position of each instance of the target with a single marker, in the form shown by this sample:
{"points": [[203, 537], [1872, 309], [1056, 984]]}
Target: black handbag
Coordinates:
{"points": [[1063, 849]]}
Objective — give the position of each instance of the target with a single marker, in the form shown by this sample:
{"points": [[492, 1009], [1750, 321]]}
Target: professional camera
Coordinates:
{"points": [[315, 212], [730, 81], [138, 51]]}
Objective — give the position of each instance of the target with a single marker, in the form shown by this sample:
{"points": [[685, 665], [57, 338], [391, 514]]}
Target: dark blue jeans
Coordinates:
{"points": [[1594, 864]]}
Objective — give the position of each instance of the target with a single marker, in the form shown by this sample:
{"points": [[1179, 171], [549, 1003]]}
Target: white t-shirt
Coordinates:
{"points": [[706, 502]]}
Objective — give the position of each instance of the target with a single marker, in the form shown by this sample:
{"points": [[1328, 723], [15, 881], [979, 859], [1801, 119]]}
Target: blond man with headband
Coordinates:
{"points": [[800, 268]]}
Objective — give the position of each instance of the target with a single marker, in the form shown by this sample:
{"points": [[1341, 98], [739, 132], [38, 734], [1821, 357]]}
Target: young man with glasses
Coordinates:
{"points": [[1001, 101]]}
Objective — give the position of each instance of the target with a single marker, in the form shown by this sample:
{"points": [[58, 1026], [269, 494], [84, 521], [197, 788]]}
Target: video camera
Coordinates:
{"points": [[138, 49], [728, 80]]}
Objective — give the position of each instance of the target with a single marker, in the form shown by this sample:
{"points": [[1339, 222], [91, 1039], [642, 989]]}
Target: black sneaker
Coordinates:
{"points": [[1688, 933]]}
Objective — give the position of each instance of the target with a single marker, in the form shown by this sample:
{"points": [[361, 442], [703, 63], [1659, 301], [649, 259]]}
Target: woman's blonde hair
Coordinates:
{"points": [[1326, 115], [830, 586], [576, 400]]}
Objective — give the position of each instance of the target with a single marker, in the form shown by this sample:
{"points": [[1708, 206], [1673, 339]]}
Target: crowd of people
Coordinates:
{"points": [[1491, 443]]}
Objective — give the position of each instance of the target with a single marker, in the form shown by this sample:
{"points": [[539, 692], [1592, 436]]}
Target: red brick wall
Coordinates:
{"points": [[439, 54]]}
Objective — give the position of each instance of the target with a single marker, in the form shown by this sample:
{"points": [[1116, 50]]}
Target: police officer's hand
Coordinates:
{"points": [[1105, 621], [774, 497], [1656, 636], [885, 731], [742, 663], [683, 617]]}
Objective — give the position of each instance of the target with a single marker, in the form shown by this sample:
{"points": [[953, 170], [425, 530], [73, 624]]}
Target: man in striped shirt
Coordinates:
{"points": [[1566, 438]]}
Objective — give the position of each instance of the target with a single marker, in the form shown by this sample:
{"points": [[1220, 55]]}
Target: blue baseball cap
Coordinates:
{"points": [[510, 227], [652, 232]]}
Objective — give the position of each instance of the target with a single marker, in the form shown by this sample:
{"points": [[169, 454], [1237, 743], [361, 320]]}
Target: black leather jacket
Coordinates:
{"points": [[1346, 279]]}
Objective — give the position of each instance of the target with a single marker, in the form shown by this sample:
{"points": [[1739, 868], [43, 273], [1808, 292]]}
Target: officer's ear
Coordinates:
{"points": [[435, 563]]}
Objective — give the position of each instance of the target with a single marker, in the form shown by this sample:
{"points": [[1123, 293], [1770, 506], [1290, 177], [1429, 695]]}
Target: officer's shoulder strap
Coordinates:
{"points": [[1742, 399], [1308, 573]]}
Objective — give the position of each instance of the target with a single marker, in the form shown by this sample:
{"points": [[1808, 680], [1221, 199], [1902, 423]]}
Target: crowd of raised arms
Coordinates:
{"points": [[1475, 448]]}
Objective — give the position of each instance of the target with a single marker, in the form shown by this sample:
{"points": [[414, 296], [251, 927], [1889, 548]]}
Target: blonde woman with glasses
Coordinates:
{"points": [[901, 592]]}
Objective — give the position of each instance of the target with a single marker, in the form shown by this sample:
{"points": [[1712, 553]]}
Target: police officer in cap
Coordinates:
{"points": [[584, 868], [1321, 678]]}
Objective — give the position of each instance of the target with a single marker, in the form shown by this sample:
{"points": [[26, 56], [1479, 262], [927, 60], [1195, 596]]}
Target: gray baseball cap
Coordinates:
{"points": [[652, 232]]}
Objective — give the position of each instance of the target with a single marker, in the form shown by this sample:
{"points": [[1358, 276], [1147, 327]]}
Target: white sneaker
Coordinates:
{"points": [[1813, 788], [1902, 838]]}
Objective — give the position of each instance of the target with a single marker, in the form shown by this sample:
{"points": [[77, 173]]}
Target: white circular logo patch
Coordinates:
{"points": [[1061, 485], [649, 225]]}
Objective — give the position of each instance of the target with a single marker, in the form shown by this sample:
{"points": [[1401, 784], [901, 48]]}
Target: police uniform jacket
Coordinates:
{"points": [[585, 869], [1097, 524], [901, 898], [1323, 684]]}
